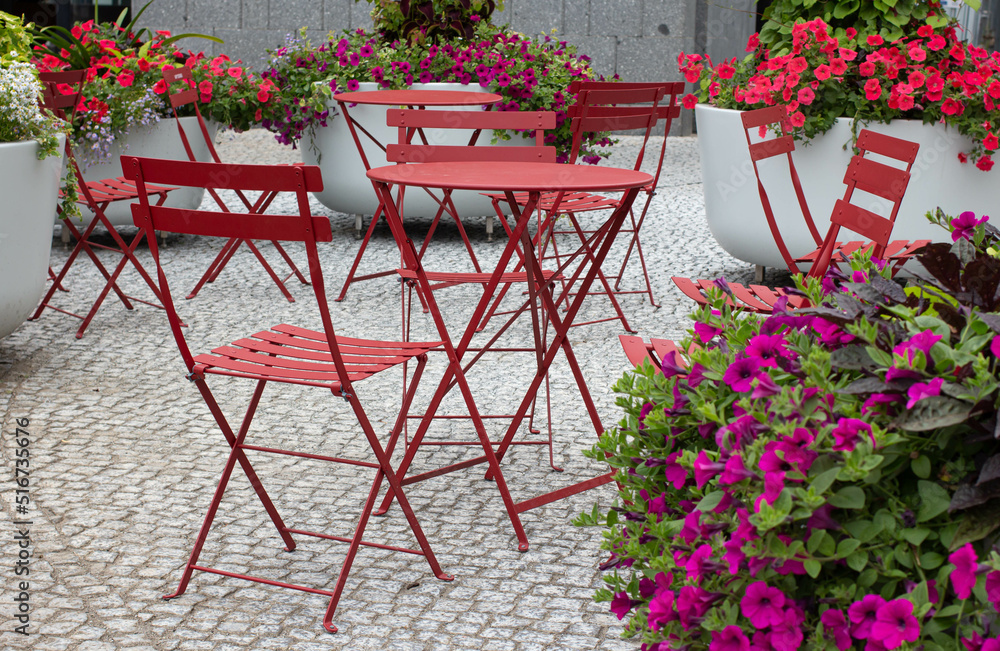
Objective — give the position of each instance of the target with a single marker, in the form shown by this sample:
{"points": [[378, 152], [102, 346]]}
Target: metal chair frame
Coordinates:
{"points": [[283, 354]]}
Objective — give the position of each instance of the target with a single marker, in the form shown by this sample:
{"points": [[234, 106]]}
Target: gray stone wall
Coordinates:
{"points": [[637, 39]]}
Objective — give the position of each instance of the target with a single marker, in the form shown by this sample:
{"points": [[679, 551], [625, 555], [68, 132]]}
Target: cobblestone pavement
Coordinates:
{"points": [[124, 457]]}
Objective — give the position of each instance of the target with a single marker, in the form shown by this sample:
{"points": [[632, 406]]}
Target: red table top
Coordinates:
{"points": [[518, 177], [418, 97]]}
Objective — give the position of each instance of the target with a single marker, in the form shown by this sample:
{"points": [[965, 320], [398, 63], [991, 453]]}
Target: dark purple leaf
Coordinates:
{"points": [[942, 265], [875, 385], [992, 320], [933, 413], [990, 471], [966, 496], [852, 357], [981, 278]]}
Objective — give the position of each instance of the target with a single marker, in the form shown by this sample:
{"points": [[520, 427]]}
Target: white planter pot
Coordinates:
{"points": [[160, 140], [732, 203], [29, 188], [346, 189]]}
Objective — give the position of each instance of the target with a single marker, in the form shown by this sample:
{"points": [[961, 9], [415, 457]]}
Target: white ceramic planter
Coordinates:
{"points": [[29, 188], [732, 203], [346, 189], [160, 140]]}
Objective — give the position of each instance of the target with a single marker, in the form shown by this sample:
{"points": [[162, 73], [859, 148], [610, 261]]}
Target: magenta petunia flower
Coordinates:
{"points": [[963, 577], [992, 644], [835, 625], [734, 555], [691, 530], [847, 433], [862, 615], [763, 605], [706, 469], [764, 387], [895, 624], [993, 589], [786, 638], [922, 341], [669, 366], [739, 376], [621, 604], [920, 390], [965, 225], [767, 349], [735, 471], [662, 610], [675, 473], [995, 346], [705, 332], [731, 638]]}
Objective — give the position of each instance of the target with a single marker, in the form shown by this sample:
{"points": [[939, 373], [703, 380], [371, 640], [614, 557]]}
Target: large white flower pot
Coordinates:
{"points": [[346, 189], [160, 140], [732, 203], [29, 188]]}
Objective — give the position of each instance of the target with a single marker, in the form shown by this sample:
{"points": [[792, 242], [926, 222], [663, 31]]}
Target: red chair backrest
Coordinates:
{"points": [[874, 178], [768, 123], [265, 179], [411, 122], [181, 92], [61, 90]]}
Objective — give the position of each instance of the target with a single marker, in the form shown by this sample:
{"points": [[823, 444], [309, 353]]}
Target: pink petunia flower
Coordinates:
{"points": [[731, 638], [763, 605], [921, 390], [895, 624], [847, 433], [964, 226], [835, 625], [963, 577], [739, 375], [863, 614]]}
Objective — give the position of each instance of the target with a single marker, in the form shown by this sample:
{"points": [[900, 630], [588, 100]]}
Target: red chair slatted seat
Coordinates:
{"points": [[181, 92], [284, 354], [61, 93], [864, 173]]}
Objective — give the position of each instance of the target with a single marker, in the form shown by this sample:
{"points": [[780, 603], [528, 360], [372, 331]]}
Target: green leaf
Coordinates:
{"points": [[815, 540], [710, 501], [845, 8], [867, 577], [931, 560], [921, 466], [850, 497], [948, 611], [915, 536], [847, 547], [612, 519], [824, 480], [934, 500], [933, 413], [857, 561], [812, 567]]}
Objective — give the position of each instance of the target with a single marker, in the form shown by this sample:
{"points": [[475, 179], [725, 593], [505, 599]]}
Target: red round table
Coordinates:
{"points": [[416, 98], [509, 177]]}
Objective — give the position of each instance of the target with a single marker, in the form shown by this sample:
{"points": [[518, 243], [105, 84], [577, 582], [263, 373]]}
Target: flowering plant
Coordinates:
{"points": [[124, 86], [825, 478], [22, 118], [529, 74], [927, 75]]}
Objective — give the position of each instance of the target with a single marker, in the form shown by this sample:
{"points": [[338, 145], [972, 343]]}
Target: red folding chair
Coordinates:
{"points": [[863, 173], [61, 92], [284, 354], [603, 107], [181, 91]]}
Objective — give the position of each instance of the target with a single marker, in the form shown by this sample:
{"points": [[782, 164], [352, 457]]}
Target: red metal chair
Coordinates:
{"points": [[284, 354], [605, 107], [61, 92], [863, 173], [181, 92]]}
